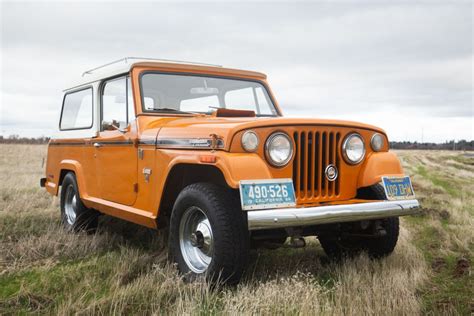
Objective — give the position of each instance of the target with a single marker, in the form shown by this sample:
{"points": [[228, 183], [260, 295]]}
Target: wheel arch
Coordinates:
{"points": [[180, 176], [75, 167]]}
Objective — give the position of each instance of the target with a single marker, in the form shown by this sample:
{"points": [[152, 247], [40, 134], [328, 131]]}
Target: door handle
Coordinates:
{"points": [[97, 145]]}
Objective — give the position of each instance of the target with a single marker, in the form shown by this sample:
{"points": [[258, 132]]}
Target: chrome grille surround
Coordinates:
{"points": [[315, 150]]}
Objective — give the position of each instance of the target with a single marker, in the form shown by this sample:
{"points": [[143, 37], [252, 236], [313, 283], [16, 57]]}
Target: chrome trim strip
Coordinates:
{"points": [[147, 141], [115, 143], [55, 143], [291, 217], [99, 143], [194, 143]]}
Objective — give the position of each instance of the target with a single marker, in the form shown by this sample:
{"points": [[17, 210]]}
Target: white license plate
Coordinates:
{"points": [[265, 194], [398, 188]]}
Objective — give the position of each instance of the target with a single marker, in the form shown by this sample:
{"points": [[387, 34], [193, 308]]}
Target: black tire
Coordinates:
{"points": [[75, 216], [230, 245], [337, 246]]}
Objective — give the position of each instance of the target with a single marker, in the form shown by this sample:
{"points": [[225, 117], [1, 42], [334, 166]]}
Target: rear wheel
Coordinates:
{"points": [[208, 234], [75, 216], [377, 237]]}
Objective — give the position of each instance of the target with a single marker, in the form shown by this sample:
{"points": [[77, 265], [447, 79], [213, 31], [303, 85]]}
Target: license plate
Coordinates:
{"points": [[265, 194], [398, 188]]}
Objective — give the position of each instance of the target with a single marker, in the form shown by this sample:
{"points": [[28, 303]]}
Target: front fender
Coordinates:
{"points": [[234, 166], [377, 165], [238, 166]]}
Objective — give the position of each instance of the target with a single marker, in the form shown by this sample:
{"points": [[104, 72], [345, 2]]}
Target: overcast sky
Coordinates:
{"points": [[404, 67]]}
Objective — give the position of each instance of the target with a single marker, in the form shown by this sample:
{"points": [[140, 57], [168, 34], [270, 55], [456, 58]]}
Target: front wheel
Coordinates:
{"points": [[208, 234], [354, 243], [378, 237]]}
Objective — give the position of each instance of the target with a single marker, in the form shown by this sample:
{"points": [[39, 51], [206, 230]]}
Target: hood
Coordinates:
{"points": [[201, 127]]}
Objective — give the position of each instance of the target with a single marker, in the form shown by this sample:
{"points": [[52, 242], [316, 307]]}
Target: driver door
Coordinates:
{"points": [[115, 150]]}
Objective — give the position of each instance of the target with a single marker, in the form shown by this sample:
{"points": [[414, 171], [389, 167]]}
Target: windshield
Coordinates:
{"points": [[199, 94]]}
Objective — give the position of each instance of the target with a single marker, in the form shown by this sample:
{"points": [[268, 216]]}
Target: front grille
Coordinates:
{"points": [[314, 151]]}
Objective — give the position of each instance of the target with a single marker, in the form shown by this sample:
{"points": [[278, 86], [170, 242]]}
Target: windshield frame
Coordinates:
{"points": [[184, 113]]}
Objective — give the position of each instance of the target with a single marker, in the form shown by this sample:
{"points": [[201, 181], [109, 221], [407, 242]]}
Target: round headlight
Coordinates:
{"points": [[376, 142], [279, 149], [353, 149], [250, 141]]}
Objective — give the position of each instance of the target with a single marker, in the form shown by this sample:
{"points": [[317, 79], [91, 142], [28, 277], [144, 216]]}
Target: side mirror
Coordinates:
{"points": [[120, 129], [114, 125]]}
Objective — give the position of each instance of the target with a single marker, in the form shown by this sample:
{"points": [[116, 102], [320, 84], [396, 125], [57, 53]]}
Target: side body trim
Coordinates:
{"points": [[193, 143]]}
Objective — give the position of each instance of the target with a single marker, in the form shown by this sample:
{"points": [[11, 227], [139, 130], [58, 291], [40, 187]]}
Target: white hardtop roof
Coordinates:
{"points": [[122, 66]]}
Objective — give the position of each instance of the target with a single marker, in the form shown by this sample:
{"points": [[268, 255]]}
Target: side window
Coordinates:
{"points": [[263, 102], [130, 102], [114, 105], [77, 110]]}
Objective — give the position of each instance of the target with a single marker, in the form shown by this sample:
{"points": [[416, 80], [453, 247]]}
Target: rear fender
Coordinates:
{"points": [[76, 167]]}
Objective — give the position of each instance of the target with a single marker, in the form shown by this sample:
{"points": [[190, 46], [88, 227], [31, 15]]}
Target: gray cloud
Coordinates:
{"points": [[323, 59]]}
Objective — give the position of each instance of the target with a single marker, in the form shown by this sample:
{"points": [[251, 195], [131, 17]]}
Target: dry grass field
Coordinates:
{"points": [[122, 268]]}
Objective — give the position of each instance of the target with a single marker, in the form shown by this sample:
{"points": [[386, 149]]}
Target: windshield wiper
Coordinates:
{"points": [[172, 110]]}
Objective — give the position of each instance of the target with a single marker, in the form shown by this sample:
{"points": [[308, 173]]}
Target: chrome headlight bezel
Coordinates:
{"points": [[268, 148], [344, 149], [243, 141], [373, 141]]}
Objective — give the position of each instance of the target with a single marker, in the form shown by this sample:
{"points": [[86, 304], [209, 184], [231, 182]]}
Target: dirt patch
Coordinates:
{"points": [[439, 214], [463, 267]]}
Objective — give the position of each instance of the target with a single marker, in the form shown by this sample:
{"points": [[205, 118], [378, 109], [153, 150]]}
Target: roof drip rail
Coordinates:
{"points": [[126, 59]]}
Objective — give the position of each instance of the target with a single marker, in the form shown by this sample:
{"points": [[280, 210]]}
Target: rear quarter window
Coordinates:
{"points": [[77, 110]]}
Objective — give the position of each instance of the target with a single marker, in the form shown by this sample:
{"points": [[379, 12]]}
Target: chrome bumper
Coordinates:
{"points": [[291, 217]]}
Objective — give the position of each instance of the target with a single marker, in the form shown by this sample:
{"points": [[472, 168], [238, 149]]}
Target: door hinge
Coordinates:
{"points": [[135, 187]]}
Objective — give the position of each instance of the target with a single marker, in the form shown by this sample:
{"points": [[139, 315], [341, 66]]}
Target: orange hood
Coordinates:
{"points": [[203, 126]]}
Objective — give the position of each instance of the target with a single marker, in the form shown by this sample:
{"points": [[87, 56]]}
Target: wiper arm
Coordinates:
{"points": [[173, 110]]}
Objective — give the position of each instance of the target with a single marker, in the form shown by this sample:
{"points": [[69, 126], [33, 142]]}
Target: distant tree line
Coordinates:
{"points": [[448, 145], [15, 139]]}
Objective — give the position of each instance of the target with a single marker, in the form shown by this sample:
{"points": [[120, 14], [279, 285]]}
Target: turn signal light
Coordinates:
{"points": [[207, 158]]}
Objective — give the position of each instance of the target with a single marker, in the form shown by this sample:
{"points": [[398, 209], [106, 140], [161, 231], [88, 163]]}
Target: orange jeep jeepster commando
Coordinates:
{"points": [[206, 152]]}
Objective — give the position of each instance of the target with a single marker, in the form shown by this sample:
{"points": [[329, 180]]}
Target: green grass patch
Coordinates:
{"points": [[446, 290], [463, 159], [15, 226], [445, 184], [88, 278]]}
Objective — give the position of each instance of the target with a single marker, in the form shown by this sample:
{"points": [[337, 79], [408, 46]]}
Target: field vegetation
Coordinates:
{"points": [[123, 269]]}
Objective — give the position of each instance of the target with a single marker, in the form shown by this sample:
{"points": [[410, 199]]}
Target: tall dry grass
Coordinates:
{"points": [[123, 269]]}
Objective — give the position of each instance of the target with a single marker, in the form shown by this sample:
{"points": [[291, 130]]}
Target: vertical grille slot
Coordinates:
{"points": [[314, 151], [324, 154], [338, 139], [317, 165]]}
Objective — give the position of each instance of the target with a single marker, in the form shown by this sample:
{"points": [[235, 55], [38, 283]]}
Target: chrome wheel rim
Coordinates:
{"points": [[70, 205], [196, 239]]}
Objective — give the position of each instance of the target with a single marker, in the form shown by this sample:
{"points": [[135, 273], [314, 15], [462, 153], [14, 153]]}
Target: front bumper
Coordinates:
{"points": [[294, 217]]}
